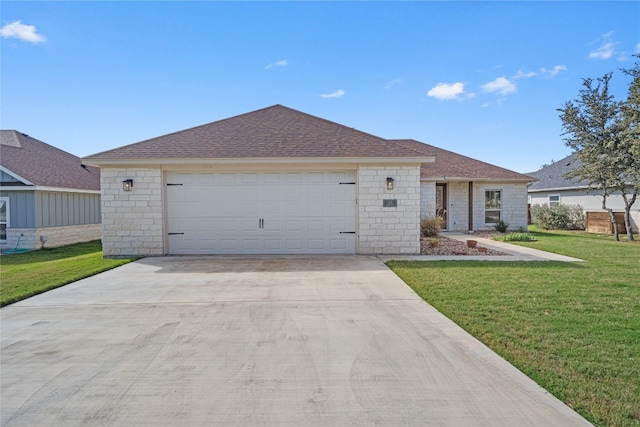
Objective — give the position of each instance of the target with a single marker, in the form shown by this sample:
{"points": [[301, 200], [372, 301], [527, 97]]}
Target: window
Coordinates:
{"points": [[492, 206], [554, 200], [4, 217]]}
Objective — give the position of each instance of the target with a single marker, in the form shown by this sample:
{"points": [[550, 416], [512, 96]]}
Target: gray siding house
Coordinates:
{"points": [[47, 197], [553, 188]]}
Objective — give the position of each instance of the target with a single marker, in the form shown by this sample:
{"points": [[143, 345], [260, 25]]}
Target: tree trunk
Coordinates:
{"points": [[627, 222], [627, 214], [611, 215], [616, 235]]}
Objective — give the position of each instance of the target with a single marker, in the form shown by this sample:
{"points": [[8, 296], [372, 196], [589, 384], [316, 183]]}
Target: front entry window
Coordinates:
{"points": [[441, 203], [492, 206], [4, 217]]}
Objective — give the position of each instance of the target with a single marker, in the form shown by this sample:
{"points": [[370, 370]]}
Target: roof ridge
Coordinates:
{"points": [[184, 130], [9, 138], [268, 127], [327, 121]]}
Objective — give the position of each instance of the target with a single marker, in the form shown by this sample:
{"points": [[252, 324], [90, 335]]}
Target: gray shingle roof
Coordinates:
{"points": [[273, 132], [43, 164], [552, 176], [451, 165]]}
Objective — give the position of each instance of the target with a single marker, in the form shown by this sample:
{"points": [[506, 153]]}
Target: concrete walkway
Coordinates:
{"points": [[516, 253], [254, 341]]}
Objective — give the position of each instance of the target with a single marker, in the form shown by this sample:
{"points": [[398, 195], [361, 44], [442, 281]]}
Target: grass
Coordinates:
{"points": [[574, 328], [28, 274], [516, 237]]}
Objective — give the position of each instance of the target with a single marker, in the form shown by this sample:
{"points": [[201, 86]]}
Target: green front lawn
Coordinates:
{"points": [[572, 327], [27, 274]]}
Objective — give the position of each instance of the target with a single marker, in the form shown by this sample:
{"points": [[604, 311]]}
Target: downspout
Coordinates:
{"points": [[470, 206]]}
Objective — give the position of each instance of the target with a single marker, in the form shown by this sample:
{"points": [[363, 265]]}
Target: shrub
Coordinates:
{"points": [[516, 237], [501, 226], [558, 217], [430, 226]]}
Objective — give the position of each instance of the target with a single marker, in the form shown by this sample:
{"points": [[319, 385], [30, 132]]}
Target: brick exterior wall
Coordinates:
{"points": [[388, 230], [132, 221], [56, 236]]}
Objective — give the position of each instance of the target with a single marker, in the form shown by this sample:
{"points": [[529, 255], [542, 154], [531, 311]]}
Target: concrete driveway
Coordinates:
{"points": [[282, 341]]}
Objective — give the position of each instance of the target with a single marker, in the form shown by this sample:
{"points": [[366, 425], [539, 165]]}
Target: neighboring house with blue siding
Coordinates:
{"points": [[47, 197]]}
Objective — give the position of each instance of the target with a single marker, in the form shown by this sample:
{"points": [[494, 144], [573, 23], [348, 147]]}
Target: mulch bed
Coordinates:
{"points": [[446, 246]]}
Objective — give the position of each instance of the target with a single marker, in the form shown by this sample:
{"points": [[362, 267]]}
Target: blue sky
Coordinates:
{"points": [[483, 79]]}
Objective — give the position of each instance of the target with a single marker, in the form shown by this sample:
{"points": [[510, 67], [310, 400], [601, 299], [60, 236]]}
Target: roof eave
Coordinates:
{"points": [[575, 187], [45, 188], [254, 160], [16, 176], [473, 179]]}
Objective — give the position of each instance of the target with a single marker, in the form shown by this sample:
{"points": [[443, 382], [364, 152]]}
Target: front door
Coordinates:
{"points": [[441, 203]]}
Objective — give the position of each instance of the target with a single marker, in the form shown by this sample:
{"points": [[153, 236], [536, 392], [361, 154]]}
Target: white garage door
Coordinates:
{"points": [[261, 213]]}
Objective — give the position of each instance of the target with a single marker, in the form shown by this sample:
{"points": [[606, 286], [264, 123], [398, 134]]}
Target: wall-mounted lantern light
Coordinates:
{"points": [[127, 185], [390, 183]]}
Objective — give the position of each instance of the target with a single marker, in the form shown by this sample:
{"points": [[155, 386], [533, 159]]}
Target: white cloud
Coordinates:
{"points": [[606, 48], [554, 71], [393, 83], [524, 75], [18, 30], [336, 94], [603, 52], [447, 91], [282, 63], [501, 85]]}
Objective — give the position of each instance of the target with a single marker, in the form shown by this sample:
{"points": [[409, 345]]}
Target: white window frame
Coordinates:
{"points": [[499, 209], [6, 219], [553, 203]]}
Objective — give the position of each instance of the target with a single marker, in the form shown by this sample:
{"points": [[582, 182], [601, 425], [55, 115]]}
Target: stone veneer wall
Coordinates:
{"points": [[388, 230], [427, 199], [514, 204], [132, 221], [458, 205], [56, 236]]}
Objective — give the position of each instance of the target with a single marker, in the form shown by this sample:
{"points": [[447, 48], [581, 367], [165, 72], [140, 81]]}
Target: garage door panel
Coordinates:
{"points": [[228, 245], [316, 208], [270, 212], [338, 244], [293, 226], [273, 225], [316, 226], [250, 225], [272, 244], [250, 244], [272, 178], [339, 225], [228, 226], [316, 244], [271, 209], [295, 177]]}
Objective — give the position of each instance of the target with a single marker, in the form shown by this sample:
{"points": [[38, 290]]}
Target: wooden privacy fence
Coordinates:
{"points": [[600, 222]]}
